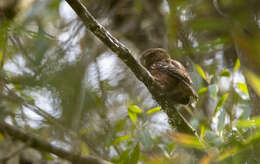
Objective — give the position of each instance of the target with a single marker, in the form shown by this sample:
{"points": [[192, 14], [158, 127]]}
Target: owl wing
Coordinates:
{"points": [[173, 69], [176, 70]]}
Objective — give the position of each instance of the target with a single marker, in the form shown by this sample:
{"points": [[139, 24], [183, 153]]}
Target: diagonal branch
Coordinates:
{"points": [[126, 56], [117, 47], [14, 153], [40, 144]]}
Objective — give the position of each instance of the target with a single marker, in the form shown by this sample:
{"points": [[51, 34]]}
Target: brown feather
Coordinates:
{"points": [[170, 73]]}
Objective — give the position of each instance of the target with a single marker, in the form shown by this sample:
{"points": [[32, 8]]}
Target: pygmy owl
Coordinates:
{"points": [[170, 74]]}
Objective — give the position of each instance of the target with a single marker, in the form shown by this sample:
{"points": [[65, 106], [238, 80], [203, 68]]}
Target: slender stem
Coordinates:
{"points": [[40, 144]]}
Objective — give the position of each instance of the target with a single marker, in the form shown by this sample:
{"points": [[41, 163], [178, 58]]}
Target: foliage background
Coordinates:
{"points": [[60, 82]]}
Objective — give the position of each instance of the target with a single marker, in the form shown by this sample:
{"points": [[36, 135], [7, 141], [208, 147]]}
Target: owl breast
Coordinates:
{"points": [[165, 80]]}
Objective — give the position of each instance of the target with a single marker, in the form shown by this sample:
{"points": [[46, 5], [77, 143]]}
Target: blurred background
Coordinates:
{"points": [[58, 81]]}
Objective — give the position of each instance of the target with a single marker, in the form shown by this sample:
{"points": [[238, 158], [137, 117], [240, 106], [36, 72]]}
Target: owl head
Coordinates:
{"points": [[148, 57]]}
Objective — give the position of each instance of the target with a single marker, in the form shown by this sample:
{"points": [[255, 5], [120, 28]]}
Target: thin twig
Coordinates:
{"points": [[34, 108], [14, 153], [40, 144], [4, 52]]}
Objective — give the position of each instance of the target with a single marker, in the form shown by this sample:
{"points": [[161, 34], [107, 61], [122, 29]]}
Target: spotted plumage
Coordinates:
{"points": [[170, 74]]}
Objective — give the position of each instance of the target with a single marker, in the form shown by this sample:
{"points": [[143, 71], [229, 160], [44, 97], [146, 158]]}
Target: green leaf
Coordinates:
{"points": [[252, 139], [221, 121], [212, 24], [138, 6], [170, 147], [243, 87], [120, 125], [201, 72], [146, 139], [213, 45], [237, 65], [225, 73], [120, 139], [247, 143], [220, 103], [105, 84], [83, 131], [1, 137], [213, 90], [132, 116], [228, 153], [245, 123], [1, 56], [153, 110], [84, 149], [123, 157], [202, 90], [253, 80], [212, 138], [188, 140], [135, 109], [134, 156], [202, 131], [253, 122], [48, 156]]}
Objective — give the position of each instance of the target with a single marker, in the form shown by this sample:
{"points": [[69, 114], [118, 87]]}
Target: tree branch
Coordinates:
{"points": [[140, 72], [42, 145], [121, 50], [14, 153]]}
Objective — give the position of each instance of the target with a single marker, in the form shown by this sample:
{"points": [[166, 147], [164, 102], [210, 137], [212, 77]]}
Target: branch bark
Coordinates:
{"points": [[140, 72], [40, 144]]}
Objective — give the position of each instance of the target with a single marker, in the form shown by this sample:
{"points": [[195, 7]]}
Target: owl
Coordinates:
{"points": [[172, 76]]}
